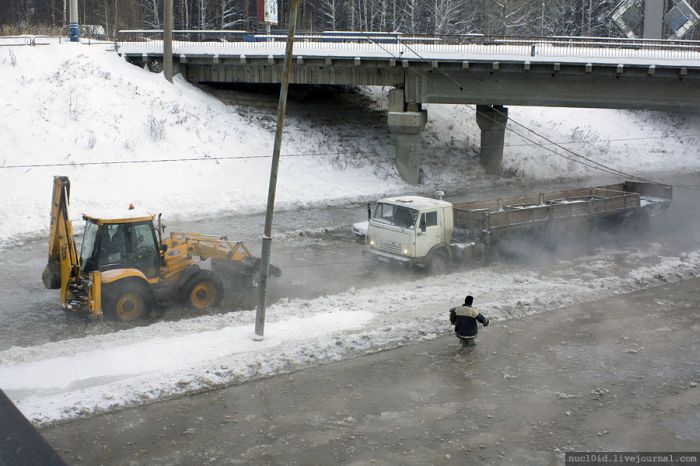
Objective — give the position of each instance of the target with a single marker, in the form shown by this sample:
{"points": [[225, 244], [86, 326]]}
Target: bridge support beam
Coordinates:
{"points": [[492, 121], [405, 128]]}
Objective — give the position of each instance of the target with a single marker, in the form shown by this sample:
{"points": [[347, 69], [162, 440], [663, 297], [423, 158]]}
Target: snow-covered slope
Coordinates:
{"points": [[69, 103], [73, 103]]}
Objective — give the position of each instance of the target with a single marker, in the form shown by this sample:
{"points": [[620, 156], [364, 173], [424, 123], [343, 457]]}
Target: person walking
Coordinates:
{"points": [[465, 319]]}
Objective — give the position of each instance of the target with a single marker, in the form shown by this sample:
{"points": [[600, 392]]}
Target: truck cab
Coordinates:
{"points": [[411, 230]]}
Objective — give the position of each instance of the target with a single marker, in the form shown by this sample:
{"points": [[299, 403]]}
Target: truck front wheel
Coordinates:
{"points": [[439, 264]]}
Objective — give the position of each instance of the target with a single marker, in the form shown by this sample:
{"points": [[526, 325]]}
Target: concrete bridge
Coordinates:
{"points": [[490, 73]]}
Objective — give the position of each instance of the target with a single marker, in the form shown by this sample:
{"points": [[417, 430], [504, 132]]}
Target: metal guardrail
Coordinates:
{"points": [[20, 40], [415, 44]]}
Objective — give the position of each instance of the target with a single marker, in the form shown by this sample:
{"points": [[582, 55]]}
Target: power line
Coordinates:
{"points": [[601, 141], [313, 154], [211, 158], [183, 159]]}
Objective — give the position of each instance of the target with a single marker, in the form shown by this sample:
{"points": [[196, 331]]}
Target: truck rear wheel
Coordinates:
{"points": [[203, 291], [126, 300]]}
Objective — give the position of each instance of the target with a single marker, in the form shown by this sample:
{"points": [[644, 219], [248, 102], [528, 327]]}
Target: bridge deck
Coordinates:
{"points": [[579, 52], [557, 72]]}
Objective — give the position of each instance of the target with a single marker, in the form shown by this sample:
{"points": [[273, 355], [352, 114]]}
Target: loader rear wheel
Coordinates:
{"points": [[203, 291], [127, 301]]}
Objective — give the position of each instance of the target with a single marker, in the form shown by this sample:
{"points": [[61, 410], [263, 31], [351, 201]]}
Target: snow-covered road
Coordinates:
{"points": [[79, 377]]}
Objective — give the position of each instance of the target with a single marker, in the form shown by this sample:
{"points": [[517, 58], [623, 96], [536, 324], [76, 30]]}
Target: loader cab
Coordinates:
{"points": [[121, 240]]}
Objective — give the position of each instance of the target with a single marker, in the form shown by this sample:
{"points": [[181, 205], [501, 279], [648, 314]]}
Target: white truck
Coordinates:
{"points": [[431, 233]]}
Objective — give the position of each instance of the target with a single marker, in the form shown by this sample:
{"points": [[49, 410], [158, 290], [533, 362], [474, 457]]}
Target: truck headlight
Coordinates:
{"points": [[371, 242], [405, 251]]}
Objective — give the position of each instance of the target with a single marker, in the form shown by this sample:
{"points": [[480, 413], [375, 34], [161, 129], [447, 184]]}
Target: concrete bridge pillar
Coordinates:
{"points": [[406, 121], [492, 120], [405, 130]]}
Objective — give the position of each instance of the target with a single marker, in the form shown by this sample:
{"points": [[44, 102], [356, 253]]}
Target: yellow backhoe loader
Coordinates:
{"points": [[127, 264]]}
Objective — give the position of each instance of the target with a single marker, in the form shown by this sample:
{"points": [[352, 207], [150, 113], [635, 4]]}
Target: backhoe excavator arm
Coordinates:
{"points": [[64, 263]]}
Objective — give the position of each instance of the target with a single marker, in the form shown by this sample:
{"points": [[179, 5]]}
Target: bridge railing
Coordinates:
{"points": [[414, 45], [20, 40]]}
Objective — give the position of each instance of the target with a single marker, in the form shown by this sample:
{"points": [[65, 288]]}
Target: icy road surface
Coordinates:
{"points": [[78, 377], [314, 248], [328, 306]]}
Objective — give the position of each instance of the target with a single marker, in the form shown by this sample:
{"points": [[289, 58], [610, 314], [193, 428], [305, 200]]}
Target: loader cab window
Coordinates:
{"points": [[145, 254], [113, 244], [87, 249]]}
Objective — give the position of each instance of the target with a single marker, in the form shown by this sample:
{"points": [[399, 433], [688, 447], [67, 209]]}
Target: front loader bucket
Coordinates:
{"points": [[240, 274]]}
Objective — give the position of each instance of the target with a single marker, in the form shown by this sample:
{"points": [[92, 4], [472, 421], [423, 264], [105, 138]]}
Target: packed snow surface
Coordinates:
{"points": [[72, 378], [72, 104]]}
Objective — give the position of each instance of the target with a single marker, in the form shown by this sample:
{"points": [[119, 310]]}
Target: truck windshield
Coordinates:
{"points": [[395, 215], [88, 246]]}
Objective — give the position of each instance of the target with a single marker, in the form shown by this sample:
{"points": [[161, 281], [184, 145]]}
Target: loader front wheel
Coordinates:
{"points": [[203, 291], [126, 302]]}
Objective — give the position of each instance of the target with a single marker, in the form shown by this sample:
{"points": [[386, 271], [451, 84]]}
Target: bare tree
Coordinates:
{"points": [[230, 13], [448, 16], [329, 13], [152, 13]]}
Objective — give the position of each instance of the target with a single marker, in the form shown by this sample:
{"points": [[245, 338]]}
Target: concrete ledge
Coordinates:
{"points": [[407, 122]]}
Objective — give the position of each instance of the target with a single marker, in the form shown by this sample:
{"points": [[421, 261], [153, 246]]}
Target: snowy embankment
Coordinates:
{"points": [[71, 104], [73, 378]]}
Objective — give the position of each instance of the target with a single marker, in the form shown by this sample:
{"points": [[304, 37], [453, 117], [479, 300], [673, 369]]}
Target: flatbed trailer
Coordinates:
{"points": [[561, 211]]}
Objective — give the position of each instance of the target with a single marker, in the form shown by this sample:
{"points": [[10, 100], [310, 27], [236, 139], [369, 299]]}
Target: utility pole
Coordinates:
{"points": [[74, 28], [267, 235], [168, 40]]}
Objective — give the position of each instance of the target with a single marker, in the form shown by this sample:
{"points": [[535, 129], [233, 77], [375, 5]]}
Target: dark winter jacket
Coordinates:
{"points": [[464, 319]]}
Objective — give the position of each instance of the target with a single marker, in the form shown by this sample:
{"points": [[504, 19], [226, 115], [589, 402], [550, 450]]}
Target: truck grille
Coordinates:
{"points": [[388, 247]]}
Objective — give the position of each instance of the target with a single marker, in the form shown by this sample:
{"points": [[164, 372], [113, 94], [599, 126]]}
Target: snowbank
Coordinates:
{"points": [[72, 378], [73, 103]]}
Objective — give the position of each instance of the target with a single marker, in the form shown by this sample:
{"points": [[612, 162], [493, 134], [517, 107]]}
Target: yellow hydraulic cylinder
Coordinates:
{"points": [[95, 295]]}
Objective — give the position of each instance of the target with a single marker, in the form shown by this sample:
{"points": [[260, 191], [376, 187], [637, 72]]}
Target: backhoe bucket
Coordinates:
{"points": [[51, 276]]}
